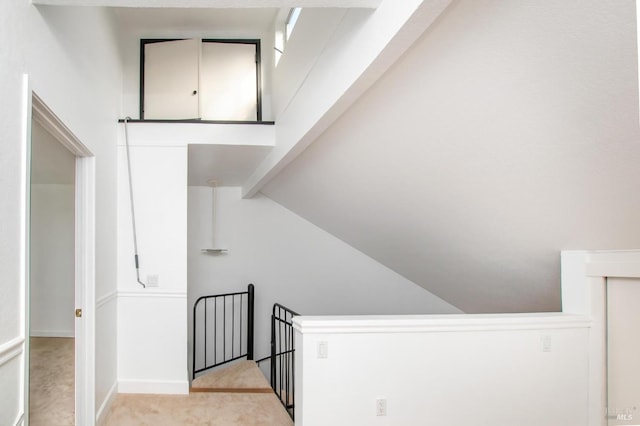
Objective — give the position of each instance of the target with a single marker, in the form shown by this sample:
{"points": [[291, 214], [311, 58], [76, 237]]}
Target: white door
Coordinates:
{"points": [[171, 79], [228, 81]]}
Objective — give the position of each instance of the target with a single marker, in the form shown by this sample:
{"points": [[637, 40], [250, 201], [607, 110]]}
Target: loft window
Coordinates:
{"points": [[209, 79], [292, 18], [284, 28]]}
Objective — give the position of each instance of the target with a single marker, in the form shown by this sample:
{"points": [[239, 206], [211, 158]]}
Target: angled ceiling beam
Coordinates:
{"points": [[324, 96], [215, 4]]}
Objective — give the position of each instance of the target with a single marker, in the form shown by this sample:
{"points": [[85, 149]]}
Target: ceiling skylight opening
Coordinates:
{"points": [[285, 23], [294, 13]]}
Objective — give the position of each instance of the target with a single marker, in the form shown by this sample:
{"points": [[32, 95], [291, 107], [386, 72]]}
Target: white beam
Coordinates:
{"points": [[215, 4], [325, 95]]}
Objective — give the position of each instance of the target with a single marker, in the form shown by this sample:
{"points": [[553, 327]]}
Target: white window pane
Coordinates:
{"points": [[228, 81], [170, 78]]}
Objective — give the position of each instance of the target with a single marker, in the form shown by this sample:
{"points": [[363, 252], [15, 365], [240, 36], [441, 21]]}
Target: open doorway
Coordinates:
{"points": [[60, 271], [52, 283]]}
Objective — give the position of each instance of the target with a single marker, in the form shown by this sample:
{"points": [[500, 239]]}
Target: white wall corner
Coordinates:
{"points": [[105, 407]]}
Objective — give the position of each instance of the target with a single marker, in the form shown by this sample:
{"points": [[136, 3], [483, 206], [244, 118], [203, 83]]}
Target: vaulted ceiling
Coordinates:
{"points": [[508, 132]]}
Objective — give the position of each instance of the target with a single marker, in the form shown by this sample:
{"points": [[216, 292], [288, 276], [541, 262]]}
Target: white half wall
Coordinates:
{"points": [[52, 260], [455, 370], [152, 321], [290, 261]]}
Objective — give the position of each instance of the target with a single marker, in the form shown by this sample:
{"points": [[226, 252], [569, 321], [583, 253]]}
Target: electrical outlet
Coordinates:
{"points": [[546, 343], [153, 280], [381, 406], [323, 349]]}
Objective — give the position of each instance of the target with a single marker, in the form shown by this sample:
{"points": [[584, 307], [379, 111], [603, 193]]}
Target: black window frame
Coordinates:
{"points": [[256, 42]]}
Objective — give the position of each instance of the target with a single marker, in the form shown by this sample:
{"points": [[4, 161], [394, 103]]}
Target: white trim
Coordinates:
{"points": [[25, 238], [613, 269], [53, 333], [109, 297], [153, 294], [52, 124], [166, 135], [85, 290], [170, 387], [105, 407], [85, 187], [11, 349], [438, 323], [584, 287], [20, 420]]}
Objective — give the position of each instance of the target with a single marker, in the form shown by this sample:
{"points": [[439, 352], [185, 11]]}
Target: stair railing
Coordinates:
{"points": [[283, 356], [226, 319]]}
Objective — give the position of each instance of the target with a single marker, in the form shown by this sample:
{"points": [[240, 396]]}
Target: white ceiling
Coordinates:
{"points": [[51, 162], [229, 165], [141, 20], [220, 4]]}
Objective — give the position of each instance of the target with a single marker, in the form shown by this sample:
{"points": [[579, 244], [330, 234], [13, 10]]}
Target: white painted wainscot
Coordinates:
{"points": [[501, 369]]}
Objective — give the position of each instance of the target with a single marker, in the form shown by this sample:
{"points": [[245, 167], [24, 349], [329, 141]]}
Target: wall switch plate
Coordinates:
{"points": [[152, 281], [323, 350], [381, 406]]}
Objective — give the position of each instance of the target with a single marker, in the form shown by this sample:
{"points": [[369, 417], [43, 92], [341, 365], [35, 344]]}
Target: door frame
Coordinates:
{"points": [[85, 231]]}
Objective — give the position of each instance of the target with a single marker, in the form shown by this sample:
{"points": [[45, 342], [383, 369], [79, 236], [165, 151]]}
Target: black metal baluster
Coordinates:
{"points": [[215, 331], [250, 320], [241, 296]]}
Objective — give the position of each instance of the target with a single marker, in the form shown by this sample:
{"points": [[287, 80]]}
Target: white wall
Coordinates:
{"points": [[290, 261], [152, 321], [71, 57], [506, 133], [452, 370], [52, 260]]}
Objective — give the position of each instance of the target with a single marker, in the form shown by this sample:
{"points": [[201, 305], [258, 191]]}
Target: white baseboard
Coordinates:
{"points": [[174, 387], [105, 407], [20, 420], [59, 333]]}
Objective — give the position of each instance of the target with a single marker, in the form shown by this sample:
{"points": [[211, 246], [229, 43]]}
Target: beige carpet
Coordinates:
{"points": [[51, 384], [219, 409], [242, 376], [237, 394], [52, 396]]}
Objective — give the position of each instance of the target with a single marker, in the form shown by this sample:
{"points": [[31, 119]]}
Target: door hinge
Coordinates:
{"points": [[78, 313]]}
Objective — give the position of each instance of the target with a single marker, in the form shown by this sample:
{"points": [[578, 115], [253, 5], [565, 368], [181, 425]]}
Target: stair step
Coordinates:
{"points": [[241, 377]]}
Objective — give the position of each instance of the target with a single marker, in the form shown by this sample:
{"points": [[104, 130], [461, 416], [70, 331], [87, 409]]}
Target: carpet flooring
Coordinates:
{"points": [[52, 382], [219, 409], [52, 396]]}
